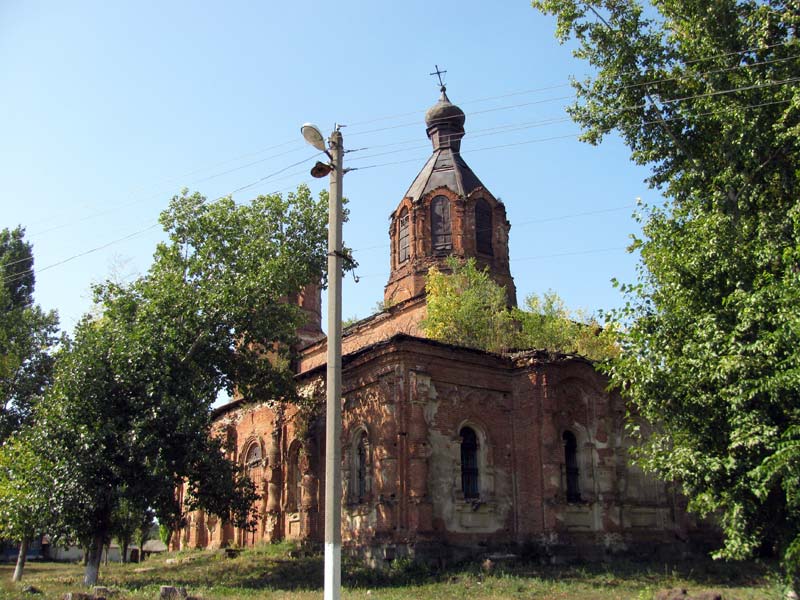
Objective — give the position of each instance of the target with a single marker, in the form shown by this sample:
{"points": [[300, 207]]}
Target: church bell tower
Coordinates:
{"points": [[446, 211]]}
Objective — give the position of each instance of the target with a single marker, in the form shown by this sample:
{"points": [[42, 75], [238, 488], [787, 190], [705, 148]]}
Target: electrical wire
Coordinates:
{"points": [[20, 275], [36, 234], [271, 175], [618, 89], [477, 112], [572, 135], [464, 102], [538, 257], [553, 120], [704, 73], [557, 86], [532, 222]]}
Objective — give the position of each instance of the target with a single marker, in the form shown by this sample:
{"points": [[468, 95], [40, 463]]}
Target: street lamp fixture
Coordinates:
{"points": [[313, 136], [321, 169]]}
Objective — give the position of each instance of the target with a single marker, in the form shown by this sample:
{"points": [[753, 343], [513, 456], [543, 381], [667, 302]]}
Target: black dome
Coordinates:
{"points": [[445, 112]]}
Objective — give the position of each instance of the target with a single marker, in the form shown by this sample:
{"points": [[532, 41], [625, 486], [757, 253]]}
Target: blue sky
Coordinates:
{"points": [[109, 108]]}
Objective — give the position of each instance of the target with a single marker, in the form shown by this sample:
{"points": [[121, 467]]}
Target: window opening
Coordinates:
{"points": [[253, 456], [402, 236], [571, 466], [483, 227], [294, 480], [441, 235], [469, 463], [361, 467]]}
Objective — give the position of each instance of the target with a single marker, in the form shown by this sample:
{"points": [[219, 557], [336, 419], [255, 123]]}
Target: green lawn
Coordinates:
{"points": [[269, 572]]}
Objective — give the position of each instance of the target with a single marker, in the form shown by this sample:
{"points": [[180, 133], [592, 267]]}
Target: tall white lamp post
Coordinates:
{"points": [[333, 407]]}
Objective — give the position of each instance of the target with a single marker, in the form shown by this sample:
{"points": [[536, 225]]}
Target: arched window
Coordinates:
{"points": [[402, 236], [361, 467], [483, 227], [571, 467], [441, 235], [252, 457], [294, 479], [469, 463]]}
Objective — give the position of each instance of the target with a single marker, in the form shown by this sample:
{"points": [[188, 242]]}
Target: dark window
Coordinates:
{"points": [[402, 236], [361, 467], [469, 463], [483, 226], [253, 456], [571, 467], [294, 479], [440, 226]]}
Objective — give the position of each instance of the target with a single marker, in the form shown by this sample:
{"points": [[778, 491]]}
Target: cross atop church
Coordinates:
{"points": [[439, 74]]}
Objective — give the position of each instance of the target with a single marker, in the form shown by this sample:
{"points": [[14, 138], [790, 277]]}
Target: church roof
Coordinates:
{"points": [[445, 167]]}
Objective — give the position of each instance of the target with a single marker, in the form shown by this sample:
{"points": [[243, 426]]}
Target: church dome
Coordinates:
{"points": [[445, 112]]}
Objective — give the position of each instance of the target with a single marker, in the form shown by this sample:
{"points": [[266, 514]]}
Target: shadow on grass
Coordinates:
{"points": [[701, 572], [272, 569]]}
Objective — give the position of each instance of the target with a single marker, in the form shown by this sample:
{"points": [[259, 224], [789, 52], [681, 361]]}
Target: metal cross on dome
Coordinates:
{"points": [[439, 74]]}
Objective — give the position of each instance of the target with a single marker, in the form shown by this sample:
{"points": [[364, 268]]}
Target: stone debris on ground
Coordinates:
{"points": [[683, 594], [170, 592], [29, 589]]}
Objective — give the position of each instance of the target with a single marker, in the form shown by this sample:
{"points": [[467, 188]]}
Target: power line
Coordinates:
{"points": [[554, 120], [571, 253], [704, 73], [474, 134], [240, 157], [271, 175], [572, 135], [538, 257], [21, 274], [465, 102], [477, 112], [557, 86], [112, 209], [36, 234], [587, 213]]}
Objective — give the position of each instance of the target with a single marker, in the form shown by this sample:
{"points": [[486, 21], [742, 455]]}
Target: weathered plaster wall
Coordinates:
{"points": [[411, 398]]}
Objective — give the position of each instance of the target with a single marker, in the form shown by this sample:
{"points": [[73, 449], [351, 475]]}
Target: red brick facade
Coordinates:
{"points": [[446, 449]]}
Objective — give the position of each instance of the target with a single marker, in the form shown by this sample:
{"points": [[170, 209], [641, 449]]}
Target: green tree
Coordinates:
{"points": [[128, 521], [27, 334], [547, 323], [467, 308], [26, 509], [706, 95], [128, 412]]}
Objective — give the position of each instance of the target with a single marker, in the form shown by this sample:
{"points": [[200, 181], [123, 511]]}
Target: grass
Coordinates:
{"points": [[269, 572]]}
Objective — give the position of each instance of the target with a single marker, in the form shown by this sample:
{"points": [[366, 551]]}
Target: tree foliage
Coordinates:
{"points": [[127, 417], [706, 95], [547, 323], [27, 334], [26, 485], [467, 308]]}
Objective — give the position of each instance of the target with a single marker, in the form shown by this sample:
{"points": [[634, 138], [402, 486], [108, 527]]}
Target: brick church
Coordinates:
{"points": [[445, 450]]}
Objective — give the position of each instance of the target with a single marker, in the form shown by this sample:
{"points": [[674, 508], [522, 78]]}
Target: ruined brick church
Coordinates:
{"points": [[445, 450]]}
